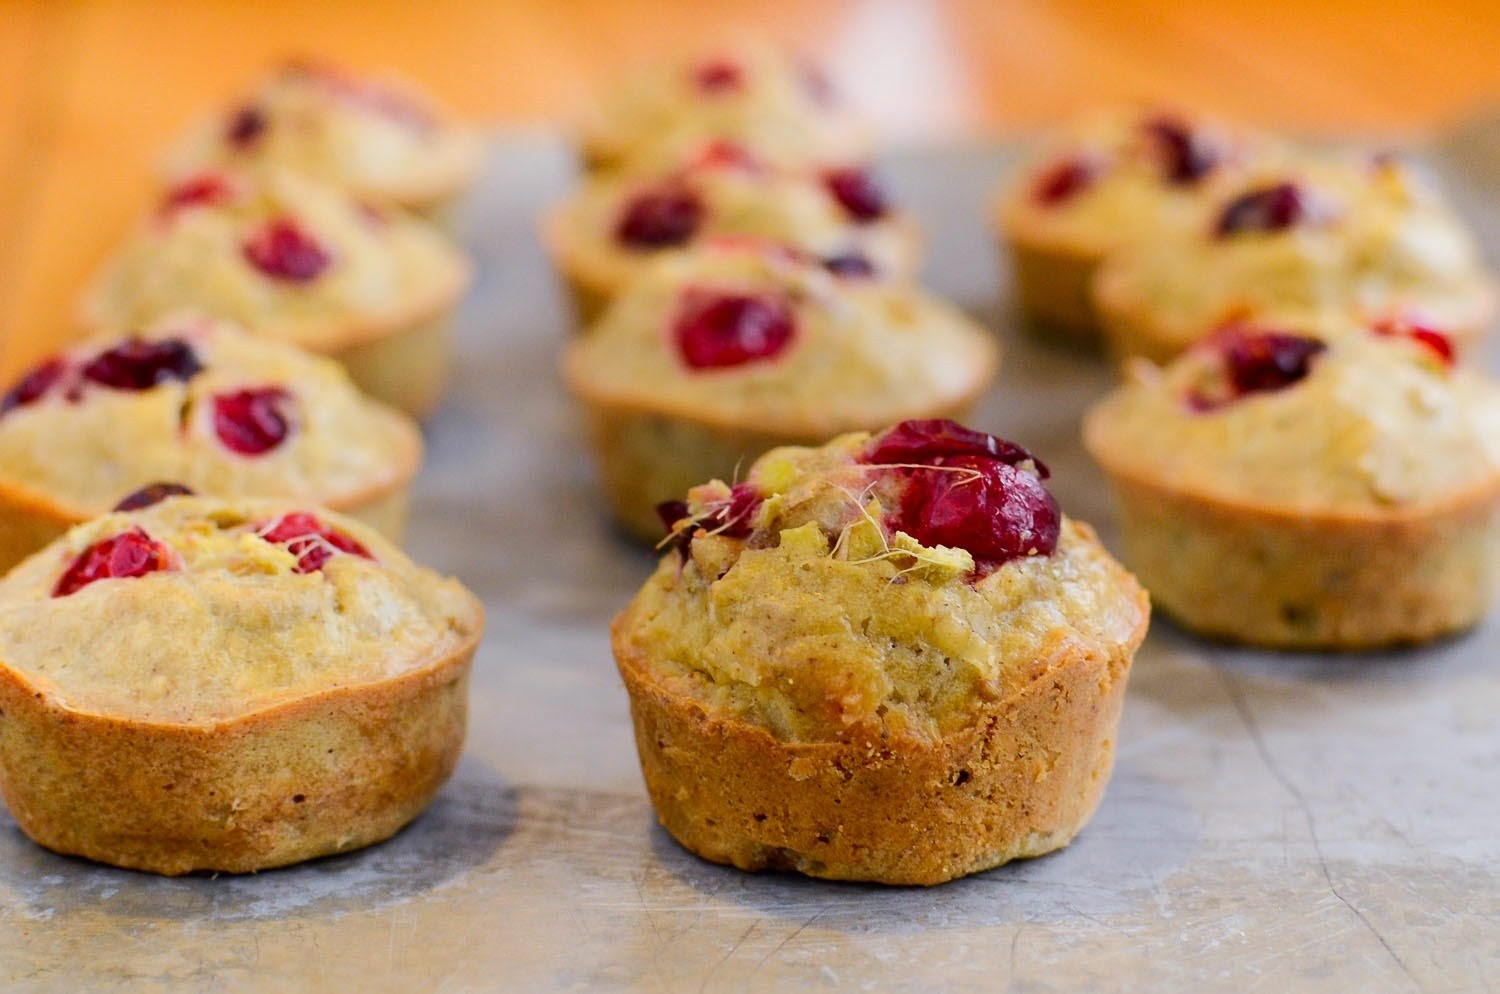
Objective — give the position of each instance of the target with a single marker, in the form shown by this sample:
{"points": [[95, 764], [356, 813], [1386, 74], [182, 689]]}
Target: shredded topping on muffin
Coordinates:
{"points": [[310, 540], [962, 503]]}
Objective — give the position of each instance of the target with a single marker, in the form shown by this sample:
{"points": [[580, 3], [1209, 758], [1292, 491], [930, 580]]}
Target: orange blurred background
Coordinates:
{"points": [[89, 91]]}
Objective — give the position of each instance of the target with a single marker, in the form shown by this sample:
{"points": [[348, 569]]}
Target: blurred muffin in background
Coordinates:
{"points": [[1108, 183], [754, 94], [380, 139], [296, 260], [609, 231]]}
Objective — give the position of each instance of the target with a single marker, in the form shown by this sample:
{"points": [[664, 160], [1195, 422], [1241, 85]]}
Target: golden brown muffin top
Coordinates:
{"points": [[738, 333], [1314, 417], [204, 404], [377, 138], [196, 610], [891, 581], [283, 255]]}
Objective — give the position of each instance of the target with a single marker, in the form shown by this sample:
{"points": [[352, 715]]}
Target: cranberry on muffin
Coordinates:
{"points": [[289, 685]]}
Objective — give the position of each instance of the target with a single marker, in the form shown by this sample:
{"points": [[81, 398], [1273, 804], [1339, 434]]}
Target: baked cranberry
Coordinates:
{"points": [[1064, 180], [254, 421], [1269, 209], [310, 540], [857, 192], [1186, 155], [734, 518], [245, 127], [715, 329], [1430, 337], [203, 190], [660, 217], [283, 251], [151, 493], [128, 554], [850, 265], [718, 76], [921, 441], [138, 364], [1257, 361], [34, 385], [968, 490]]}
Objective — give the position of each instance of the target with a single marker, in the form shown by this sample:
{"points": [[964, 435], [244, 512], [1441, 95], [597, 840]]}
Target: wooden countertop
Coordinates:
{"points": [[90, 90]]}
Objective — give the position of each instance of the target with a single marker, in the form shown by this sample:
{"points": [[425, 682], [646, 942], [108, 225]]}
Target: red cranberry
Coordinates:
{"points": [[245, 127], [283, 251], [850, 265], [34, 385], [1187, 156], [716, 329], [1269, 208], [1062, 181], [717, 77], [1433, 339], [128, 554], [204, 190], [1256, 361], [733, 518], [137, 364], [252, 422], [858, 193], [151, 493], [923, 441], [966, 489], [310, 540], [660, 217]]}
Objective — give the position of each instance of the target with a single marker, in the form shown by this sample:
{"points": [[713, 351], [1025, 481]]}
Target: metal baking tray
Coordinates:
{"points": [[1278, 823]]}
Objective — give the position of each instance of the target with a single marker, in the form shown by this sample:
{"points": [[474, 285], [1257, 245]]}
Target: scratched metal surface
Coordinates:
{"points": [[1282, 824]]}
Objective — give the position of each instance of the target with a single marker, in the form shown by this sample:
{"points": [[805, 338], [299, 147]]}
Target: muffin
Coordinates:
{"points": [[381, 140], [1327, 236], [754, 94], [289, 685], [889, 659], [301, 262], [1308, 487], [715, 355], [608, 232], [196, 402], [1111, 182]]}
